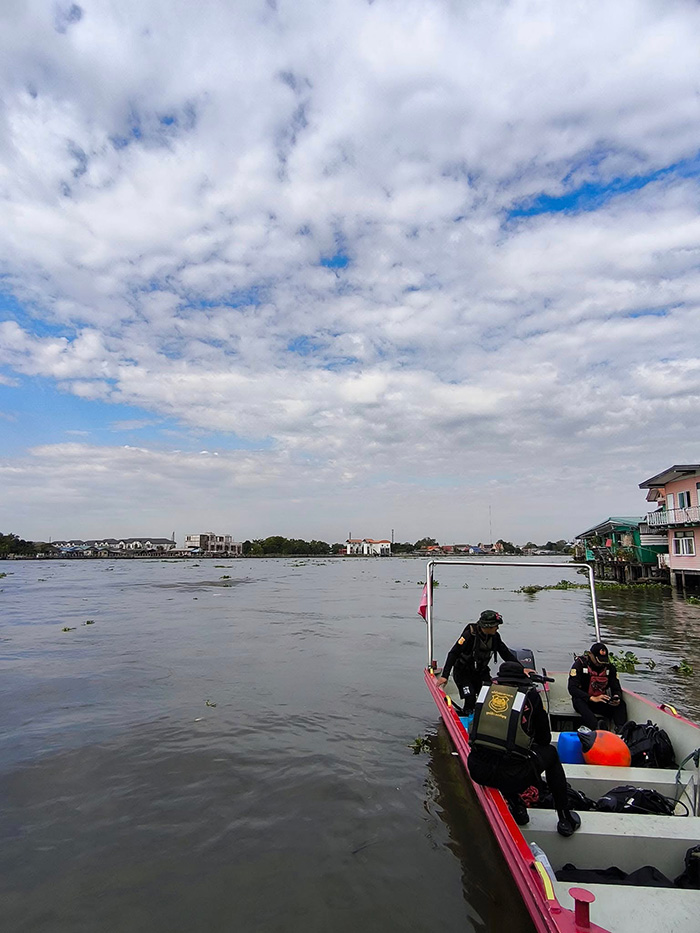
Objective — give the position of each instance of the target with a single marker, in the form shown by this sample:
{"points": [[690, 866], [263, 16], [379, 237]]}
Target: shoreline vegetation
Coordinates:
{"points": [[12, 547]]}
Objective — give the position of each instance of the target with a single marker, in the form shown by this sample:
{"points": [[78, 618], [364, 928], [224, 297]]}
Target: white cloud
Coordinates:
{"points": [[171, 176]]}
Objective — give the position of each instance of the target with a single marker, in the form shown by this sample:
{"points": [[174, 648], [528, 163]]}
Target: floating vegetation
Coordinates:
{"points": [[89, 622], [683, 668], [531, 590], [225, 576], [535, 588], [68, 628], [465, 586], [419, 744], [2, 575], [693, 600], [625, 663], [209, 703]]}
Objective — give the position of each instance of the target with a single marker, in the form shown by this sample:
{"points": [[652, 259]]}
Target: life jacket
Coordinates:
{"points": [[597, 679], [479, 657], [498, 720]]}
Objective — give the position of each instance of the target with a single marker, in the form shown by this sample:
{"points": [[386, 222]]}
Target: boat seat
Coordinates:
{"points": [[627, 840], [560, 705], [628, 909], [596, 780]]}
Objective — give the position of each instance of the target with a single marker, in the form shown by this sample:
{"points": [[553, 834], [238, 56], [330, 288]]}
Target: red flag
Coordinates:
{"points": [[423, 608]]}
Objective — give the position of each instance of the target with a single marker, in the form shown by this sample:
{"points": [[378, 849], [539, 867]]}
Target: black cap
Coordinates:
{"points": [[512, 672], [488, 618], [599, 652]]}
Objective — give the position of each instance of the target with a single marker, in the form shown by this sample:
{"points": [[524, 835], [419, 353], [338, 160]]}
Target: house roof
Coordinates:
{"points": [[614, 523], [678, 471]]}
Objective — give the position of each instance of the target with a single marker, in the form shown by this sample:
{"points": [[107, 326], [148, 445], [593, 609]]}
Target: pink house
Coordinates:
{"points": [[676, 493]]}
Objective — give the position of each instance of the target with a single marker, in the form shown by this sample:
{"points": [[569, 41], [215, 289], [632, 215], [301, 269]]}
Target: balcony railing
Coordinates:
{"points": [[689, 516]]}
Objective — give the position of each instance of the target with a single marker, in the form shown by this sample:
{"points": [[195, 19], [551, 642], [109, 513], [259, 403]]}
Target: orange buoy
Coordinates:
{"points": [[604, 748]]}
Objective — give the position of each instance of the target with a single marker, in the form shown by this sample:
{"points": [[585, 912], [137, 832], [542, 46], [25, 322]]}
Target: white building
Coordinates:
{"points": [[209, 543], [368, 547], [117, 544]]}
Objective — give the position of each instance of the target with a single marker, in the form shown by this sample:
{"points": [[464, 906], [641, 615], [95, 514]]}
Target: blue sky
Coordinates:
{"points": [[391, 265]]}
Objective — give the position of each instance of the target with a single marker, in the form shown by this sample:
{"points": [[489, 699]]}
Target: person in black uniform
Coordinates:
{"points": [[469, 658], [595, 690], [511, 745]]}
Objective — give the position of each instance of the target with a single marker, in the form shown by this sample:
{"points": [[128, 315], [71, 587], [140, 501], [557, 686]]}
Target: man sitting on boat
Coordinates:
{"points": [[595, 690], [469, 658], [511, 745]]}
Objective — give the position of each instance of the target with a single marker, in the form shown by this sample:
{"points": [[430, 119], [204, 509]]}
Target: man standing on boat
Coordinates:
{"points": [[469, 658], [511, 745], [595, 690]]}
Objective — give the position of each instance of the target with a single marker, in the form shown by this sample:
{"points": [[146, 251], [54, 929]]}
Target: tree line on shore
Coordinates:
{"points": [[13, 544], [277, 545]]}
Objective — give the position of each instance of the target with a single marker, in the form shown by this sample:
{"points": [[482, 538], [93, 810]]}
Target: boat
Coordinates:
{"points": [[535, 853]]}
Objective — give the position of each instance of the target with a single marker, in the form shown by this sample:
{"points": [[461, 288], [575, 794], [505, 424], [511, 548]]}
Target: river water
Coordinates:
{"points": [[226, 747]]}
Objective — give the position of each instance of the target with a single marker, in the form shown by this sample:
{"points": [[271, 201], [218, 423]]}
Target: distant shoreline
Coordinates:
{"points": [[172, 556]]}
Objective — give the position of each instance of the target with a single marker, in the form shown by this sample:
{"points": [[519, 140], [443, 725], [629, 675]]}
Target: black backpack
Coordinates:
{"points": [[628, 799], [576, 799], [650, 746], [690, 877]]}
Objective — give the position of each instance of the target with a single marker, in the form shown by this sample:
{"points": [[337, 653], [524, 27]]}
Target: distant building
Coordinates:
{"points": [[209, 543], [368, 547], [676, 494], [93, 545], [623, 548]]}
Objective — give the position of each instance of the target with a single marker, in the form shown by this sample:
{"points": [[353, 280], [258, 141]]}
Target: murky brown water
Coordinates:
{"points": [[129, 804]]}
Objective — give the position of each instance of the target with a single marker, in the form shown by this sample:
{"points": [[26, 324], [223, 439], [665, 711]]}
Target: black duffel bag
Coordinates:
{"points": [[628, 799]]}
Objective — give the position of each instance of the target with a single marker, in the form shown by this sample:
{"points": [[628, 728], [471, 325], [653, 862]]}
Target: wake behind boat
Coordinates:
{"points": [[535, 854]]}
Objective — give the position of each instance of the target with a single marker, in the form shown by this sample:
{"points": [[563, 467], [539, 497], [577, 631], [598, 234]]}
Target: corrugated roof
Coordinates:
{"points": [[615, 521], [678, 471]]}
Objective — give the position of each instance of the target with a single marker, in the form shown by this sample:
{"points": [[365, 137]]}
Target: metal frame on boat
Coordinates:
{"points": [[559, 907]]}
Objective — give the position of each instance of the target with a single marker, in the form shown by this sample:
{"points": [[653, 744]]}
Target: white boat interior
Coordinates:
{"points": [[628, 841]]}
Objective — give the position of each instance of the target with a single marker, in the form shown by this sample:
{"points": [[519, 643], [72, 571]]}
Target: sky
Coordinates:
{"points": [[314, 268]]}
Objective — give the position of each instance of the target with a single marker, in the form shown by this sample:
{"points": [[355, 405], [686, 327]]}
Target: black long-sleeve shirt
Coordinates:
{"points": [[466, 653], [580, 678]]}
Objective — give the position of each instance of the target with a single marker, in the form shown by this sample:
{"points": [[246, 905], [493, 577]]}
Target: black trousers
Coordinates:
{"points": [[590, 713], [469, 683], [511, 773]]}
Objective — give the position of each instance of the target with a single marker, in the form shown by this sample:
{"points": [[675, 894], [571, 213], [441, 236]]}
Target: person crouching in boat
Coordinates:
{"points": [[469, 658], [595, 690], [511, 745]]}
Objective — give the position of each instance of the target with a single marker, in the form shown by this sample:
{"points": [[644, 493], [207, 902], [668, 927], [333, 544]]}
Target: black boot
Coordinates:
{"points": [[569, 822], [518, 811]]}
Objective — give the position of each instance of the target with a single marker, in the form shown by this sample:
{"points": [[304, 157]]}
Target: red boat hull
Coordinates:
{"points": [[533, 883]]}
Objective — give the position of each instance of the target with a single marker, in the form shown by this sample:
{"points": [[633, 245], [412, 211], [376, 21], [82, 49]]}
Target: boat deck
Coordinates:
{"points": [[672, 910], [628, 841]]}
